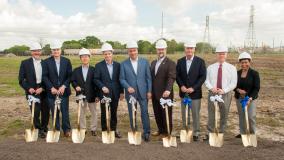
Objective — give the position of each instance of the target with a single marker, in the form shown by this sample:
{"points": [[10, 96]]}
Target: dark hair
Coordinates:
{"points": [[244, 59]]}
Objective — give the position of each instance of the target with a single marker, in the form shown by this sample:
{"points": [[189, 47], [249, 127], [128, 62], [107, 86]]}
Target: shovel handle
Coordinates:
{"points": [[33, 113], [133, 118], [107, 115], [247, 122], [54, 116], [186, 117], [216, 117], [167, 119], [79, 113]]}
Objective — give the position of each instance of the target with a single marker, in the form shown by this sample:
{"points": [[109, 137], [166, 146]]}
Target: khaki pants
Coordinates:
{"points": [[224, 111], [251, 117], [195, 110], [94, 119]]}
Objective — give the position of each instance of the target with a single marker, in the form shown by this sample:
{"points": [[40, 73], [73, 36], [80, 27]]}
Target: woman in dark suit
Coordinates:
{"points": [[248, 85]]}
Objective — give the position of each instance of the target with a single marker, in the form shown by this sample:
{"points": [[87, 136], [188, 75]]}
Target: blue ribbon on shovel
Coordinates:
{"points": [[244, 102], [187, 101]]}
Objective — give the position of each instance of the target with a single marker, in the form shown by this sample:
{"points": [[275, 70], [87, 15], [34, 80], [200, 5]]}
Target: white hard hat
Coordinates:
{"points": [[190, 44], [55, 45], [161, 44], [84, 51], [132, 44], [106, 47], [244, 55], [220, 49], [35, 46]]}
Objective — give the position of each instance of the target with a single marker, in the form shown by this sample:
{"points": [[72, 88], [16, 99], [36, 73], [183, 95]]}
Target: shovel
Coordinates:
{"points": [[53, 135], [78, 134], [186, 134], [248, 139], [134, 137], [169, 141], [216, 139], [108, 136], [31, 135]]}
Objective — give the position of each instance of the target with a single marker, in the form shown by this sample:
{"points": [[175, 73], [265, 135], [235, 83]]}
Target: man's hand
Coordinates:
{"points": [[166, 94], [242, 92], [38, 91], [121, 96], [54, 91], [214, 90], [130, 90], [105, 90], [78, 89], [149, 95], [31, 91], [61, 90], [183, 89], [97, 99], [220, 91], [190, 90]]}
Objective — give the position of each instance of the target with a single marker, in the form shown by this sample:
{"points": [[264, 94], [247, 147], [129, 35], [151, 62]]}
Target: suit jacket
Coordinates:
{"points": [[164, 79], [51, 78], [102, 79], [88, 87], [251, 83], [27, 76], [140, 82], [195, 77]]}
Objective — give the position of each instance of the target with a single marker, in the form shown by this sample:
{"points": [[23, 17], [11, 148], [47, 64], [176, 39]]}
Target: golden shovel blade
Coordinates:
{"points": [[216, 139], [78, 135], [249, 140], [52, 136], [170, 141], [185, 136], [108, 137], [31, 135], [134, 138]]}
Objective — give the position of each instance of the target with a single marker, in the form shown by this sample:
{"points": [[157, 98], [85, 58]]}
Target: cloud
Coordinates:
{"points": [[26, 21]]}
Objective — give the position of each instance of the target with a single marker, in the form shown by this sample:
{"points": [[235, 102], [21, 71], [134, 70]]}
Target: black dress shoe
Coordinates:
{"points": [[93, 133], [238, 136], [206, 138], [195, 138], [117, 135], [42, 134], [146, 137]]}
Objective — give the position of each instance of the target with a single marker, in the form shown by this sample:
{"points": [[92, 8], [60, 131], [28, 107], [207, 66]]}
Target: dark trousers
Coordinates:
{"points": [[160, 116], [113, 115], [64, 109], [45, 110]]}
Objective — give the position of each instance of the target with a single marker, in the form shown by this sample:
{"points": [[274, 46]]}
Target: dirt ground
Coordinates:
{"points": [[94, 149]]}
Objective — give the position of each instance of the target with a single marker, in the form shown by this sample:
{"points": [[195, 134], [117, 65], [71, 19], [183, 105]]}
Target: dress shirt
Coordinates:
{"points": [[38, 70], [134, 64], [159, 61]]}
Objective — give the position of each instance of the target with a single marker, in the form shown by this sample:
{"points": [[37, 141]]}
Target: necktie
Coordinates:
{"points": [[219, 77]]}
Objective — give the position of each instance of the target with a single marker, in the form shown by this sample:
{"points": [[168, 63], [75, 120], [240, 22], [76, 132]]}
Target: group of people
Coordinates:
{"points": [[136, 77]]}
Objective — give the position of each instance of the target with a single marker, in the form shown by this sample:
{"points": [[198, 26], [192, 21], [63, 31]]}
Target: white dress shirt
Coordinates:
{"points": [[38, 70], [110, 69], [188, 63], [229, 76], [85, 72], [134, 64], [159, 61], [57, 62]]}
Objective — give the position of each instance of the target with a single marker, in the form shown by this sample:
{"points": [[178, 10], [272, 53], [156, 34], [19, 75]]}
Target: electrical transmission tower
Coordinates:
{"points": [[250, 41], [206, 37], [162, 27]]}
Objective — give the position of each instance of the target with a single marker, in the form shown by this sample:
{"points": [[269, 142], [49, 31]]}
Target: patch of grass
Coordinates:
{"points": [[11, 128], [272, 122]]}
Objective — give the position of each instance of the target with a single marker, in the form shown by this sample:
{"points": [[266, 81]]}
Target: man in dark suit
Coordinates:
{"points": [[57, 71], [30, 79], [191, 74], [163, 71], [107, 79], [82, 82]]}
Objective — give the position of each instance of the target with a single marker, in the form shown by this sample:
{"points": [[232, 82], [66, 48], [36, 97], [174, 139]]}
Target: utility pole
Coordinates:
{"points": [[162, 27], [250, 38], [206, 37]]}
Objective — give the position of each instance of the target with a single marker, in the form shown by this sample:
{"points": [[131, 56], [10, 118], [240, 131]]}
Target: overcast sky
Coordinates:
{"points": [[27, 21]]}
